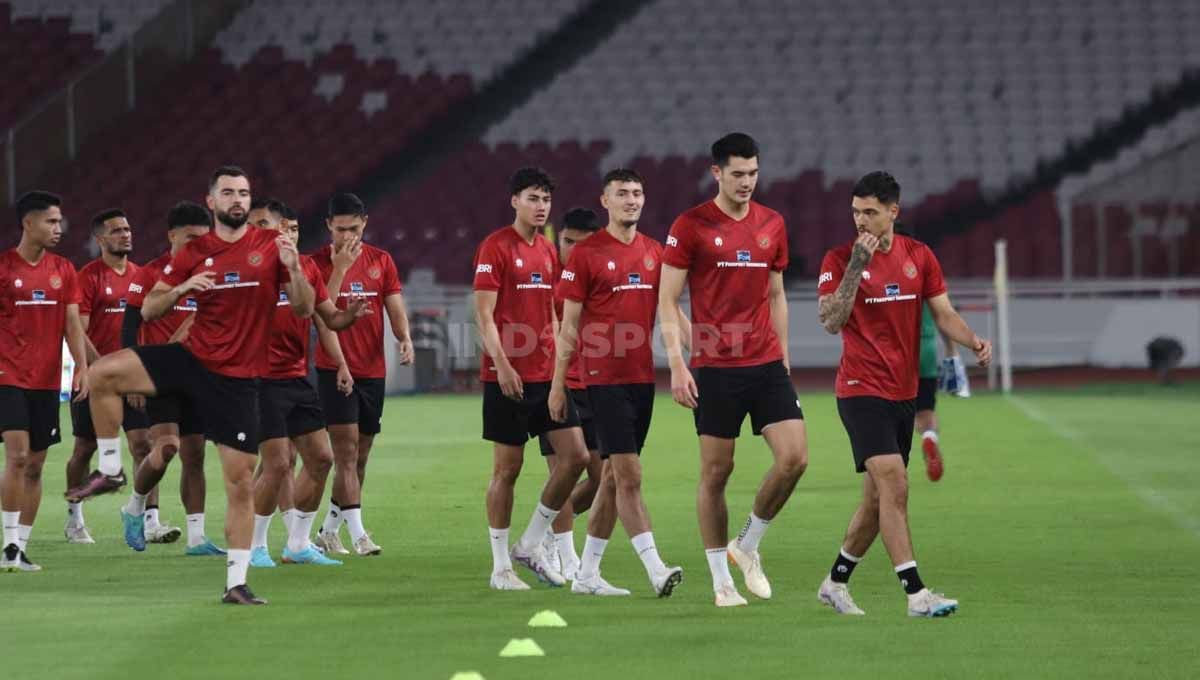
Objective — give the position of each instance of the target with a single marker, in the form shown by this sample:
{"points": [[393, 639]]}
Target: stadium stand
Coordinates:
{"points": [[43, 44], [304, 115]]}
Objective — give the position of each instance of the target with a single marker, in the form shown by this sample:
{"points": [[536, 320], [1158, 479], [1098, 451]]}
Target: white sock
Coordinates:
{"points": [[565, 543], [354, 523], [288, 516], [643, 544], [539, 523], [23, 532], [500, 559], [110, 455], [718, 564], [75, 515], [12, 523], [136, 505], [262, 524], [753, 532], [236, 567], [300, 530], [593, 552], [333, 520], [930, 434], [195, 528], [151, 517]]}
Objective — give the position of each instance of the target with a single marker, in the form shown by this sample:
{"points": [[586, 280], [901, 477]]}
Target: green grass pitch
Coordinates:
{"points": [[1067, 524]]}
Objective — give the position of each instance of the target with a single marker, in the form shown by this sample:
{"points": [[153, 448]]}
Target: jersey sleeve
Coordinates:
{"points": [[72, 287], [489, 267], [680, 244], [313, 274], [179, 268], [391, 277], [832, 270], [780, 261], [87, 286], [140, 285], [934, 285], [575, 278]]}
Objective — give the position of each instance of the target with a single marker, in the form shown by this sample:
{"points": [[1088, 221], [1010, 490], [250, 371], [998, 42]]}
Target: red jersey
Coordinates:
{"points": [[290, 333], [521, 274], [729, 265], [103, 296], [881, 341], [159, 331], [618, 287], [233, 321], [574, 375], [373, 276], [33, 319]]}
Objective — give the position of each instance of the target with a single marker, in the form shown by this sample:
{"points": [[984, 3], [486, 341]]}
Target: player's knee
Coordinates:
{"points": [[16, 458], [83, 451], [32, 470], [793, 463], [716, 473], [629, 482], [506, 473]]}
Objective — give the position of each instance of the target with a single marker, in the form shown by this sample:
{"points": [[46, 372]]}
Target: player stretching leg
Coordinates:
{"points": [[235, 272], [871, 291]]}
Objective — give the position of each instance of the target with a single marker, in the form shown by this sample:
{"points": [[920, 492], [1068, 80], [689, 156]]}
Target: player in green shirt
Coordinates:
{"points": [[926, 421]]}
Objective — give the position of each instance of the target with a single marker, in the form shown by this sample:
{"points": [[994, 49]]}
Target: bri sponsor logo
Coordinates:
{"points": [[568, 275], [483, 269], [672, 242], [826, 277]]}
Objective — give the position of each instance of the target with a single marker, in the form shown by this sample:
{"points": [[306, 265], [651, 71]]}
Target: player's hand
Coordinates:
{"points": [[359, 306], [136, 401], [79, 385], [288, 255], [345, 255], [864, 247], [557, 403], [406, 351], [983, 351], [683, 387], [199, 283], [345, 381], [510, 383]]}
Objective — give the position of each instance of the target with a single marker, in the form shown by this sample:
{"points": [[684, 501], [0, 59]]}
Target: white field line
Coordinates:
{"points": [[1151, 496]]}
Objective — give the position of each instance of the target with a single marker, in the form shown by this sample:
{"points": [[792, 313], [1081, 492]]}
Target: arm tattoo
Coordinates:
{"points": [[834, 310]]}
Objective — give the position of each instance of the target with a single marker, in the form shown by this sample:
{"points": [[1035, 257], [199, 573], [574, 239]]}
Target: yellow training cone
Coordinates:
{"points": [[467, 675], [521, 647], [547, 619]]}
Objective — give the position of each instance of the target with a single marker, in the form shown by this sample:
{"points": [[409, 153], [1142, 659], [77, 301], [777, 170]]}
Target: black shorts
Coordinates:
{"points": [[175, 409], [81, 419], [229, 406], [583, 406], [34, 411], [623, 415], [506, 421], [926, 394], [363, 407], [728, 394], [289, 408], [877, 427]]}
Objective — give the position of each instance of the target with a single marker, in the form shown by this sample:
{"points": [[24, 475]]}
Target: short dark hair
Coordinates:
{"points": [[270, 204], [286, 212], [733, 144], [529, 177], [581, 219], [347, 204], [188, 214], [225, 171], [879, 184], [103, 216], [36, 201], [622, 175]]}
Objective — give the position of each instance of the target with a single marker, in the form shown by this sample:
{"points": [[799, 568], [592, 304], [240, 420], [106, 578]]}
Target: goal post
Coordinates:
{"points": [[1002, 350]]}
